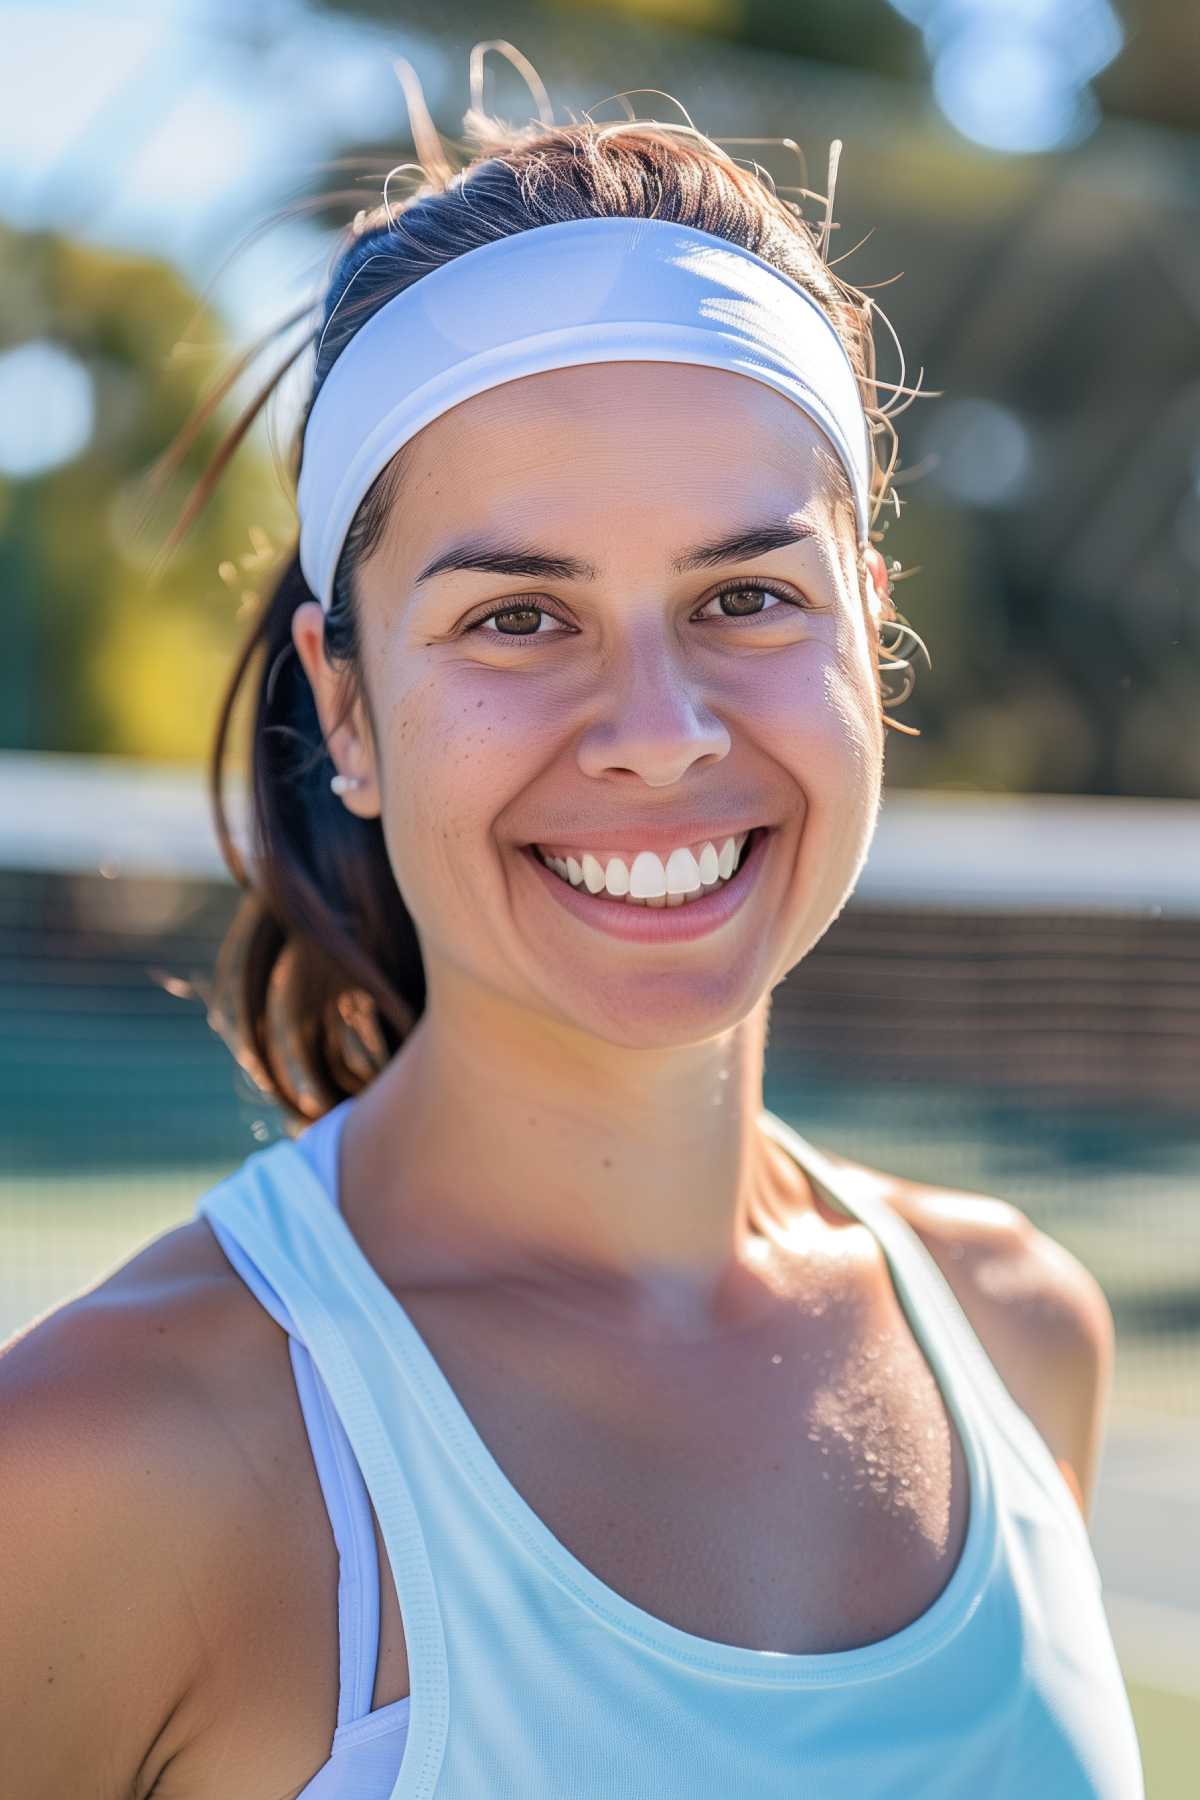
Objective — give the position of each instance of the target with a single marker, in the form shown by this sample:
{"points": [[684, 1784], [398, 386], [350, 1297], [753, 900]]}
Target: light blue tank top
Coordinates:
{"points": [[533, 1680]]}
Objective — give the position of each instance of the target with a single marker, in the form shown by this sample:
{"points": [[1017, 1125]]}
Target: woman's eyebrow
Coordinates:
{"points": [[498, 557]]}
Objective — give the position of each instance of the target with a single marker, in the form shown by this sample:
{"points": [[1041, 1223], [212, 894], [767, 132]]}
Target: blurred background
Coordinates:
{"points": [[1011, 1001]]}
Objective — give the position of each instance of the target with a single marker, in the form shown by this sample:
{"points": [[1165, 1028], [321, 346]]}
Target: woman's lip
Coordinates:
{"points": [[661, 924]]}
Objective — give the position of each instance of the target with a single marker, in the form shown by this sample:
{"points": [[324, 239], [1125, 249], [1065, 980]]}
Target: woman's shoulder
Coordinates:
{"points": [[147, 1333], [1001, 1265], [142, 1445], [165, 1328], [153, 1383], [1039, 1312]]}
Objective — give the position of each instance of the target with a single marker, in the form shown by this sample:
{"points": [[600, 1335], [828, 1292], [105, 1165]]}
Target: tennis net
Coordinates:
{"points": [[1009, 1004]]}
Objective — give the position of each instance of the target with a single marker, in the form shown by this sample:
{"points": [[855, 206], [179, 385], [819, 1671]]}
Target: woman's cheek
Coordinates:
{"points": [[454, 766], [851, 707]]}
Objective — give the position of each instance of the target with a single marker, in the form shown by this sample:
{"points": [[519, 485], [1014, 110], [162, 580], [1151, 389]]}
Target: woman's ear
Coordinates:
{"points": [[350, 743], [878, 591]]}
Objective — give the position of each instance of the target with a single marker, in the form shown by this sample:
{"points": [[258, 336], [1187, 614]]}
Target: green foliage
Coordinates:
{"points": [[103, 657]]}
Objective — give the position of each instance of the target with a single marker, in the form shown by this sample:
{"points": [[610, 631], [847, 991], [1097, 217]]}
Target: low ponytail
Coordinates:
{"points": [[319, 977]]}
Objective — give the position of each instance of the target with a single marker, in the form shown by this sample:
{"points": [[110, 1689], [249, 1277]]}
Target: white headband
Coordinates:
{"points": [[583, 291]]}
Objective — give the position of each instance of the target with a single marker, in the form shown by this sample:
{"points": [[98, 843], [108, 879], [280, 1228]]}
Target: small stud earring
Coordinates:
{"points": [[341, 784]]}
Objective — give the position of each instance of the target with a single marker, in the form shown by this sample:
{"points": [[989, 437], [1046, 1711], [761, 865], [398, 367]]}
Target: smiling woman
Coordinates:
{"points": [[660, 1453], [325, 970]]}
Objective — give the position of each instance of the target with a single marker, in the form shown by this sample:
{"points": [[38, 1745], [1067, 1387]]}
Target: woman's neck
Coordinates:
{"points": [[622, 1185]]}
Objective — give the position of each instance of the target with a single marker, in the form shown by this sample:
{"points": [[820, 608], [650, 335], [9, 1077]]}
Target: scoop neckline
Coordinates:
{"points": [[924, 1635]]}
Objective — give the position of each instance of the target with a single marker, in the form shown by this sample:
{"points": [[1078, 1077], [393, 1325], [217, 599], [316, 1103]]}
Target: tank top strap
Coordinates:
{"points": [[276, 1207], [254, 1278], [342, 1490], [959, 1359], [349, 1511], [953, 1347]]}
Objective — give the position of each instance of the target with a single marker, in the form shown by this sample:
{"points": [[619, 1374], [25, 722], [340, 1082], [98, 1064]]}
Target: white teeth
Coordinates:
{"points": [[647, 878], [616, 878], [593, 874], [682, 872], [648, 881]]}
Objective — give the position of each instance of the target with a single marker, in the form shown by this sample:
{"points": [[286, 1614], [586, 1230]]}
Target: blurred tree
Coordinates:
{"points": [[1153, 77], [100, 658], [854, 34]]}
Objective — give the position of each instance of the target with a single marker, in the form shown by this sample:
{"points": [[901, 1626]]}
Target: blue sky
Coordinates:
{"points": [[176, 126]]}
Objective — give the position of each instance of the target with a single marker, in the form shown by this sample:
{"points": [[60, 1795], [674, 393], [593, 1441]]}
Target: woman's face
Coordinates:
{"points": [[635, 699]]}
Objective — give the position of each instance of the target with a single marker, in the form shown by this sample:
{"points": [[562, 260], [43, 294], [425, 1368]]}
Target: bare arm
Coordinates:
{"points": [[1065, 1361], [93, 1660]]}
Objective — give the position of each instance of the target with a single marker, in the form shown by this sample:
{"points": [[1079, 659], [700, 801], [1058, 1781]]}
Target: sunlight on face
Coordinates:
{"points": [[617, 687]]}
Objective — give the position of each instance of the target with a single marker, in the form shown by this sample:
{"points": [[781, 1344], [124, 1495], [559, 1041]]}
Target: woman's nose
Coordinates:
{"points": [[653, 719]]}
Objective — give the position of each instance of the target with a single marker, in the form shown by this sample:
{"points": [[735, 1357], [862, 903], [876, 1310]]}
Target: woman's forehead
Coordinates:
{"points": [[646, 405], [675, 436]]}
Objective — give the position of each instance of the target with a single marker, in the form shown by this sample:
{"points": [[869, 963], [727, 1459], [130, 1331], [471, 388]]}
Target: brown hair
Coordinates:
{"points": [[320, 978]]}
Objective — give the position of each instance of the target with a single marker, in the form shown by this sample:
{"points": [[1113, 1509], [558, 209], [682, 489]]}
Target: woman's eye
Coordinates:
{"points": [[524, 617], [739, 594]]}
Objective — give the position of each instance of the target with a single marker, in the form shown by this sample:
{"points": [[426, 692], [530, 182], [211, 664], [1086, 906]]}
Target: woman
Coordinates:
{"points": [[548, 1418]]}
